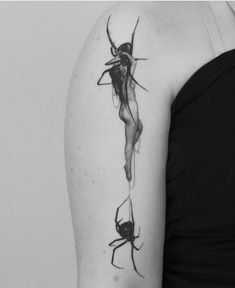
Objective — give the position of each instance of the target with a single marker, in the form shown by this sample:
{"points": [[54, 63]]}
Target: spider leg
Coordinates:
{"points": [[113, 61], [102, 75], [133, 261], [136, 248], [111, 50], [138, 83], [133, 35], [110, 40], [111, 243], [117, 211], [114, 249], [119, 220], [137, 59], [117, 224]]}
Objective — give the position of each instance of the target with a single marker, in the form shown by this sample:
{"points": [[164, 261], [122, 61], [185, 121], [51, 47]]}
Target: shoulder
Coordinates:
{"points": [[167, 34], [163, 35]]}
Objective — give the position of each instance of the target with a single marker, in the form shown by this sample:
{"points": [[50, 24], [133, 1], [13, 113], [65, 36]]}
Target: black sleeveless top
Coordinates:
{"points": [[199, 247]]}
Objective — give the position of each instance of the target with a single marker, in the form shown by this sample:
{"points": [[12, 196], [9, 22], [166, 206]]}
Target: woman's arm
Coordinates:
{"points": [[95, 140]]}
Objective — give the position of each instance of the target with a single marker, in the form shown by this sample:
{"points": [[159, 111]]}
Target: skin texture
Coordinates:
{"points": [[173, 36]]}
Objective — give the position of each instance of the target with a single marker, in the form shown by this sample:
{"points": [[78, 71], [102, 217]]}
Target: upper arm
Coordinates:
{"points": [[96, 136]]}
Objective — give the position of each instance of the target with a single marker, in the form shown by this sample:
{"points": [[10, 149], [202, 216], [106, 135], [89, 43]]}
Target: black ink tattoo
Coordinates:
{"points": [[126, 231], [122, 69], [121, 73]]}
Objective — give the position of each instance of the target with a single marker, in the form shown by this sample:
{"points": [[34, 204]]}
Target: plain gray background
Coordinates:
{"points": [[40, 42]]}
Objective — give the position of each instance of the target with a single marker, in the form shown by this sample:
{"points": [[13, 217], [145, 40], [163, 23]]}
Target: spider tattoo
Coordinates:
{"points": [[121, 71], [126, 230], [120, 60]]}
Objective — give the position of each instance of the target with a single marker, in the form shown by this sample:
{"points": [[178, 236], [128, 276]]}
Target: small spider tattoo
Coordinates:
{"points": [[126, 230]]}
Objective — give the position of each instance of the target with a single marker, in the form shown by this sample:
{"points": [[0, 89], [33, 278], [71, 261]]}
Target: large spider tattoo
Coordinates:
{"points": [[121, 73], [127, 232]]}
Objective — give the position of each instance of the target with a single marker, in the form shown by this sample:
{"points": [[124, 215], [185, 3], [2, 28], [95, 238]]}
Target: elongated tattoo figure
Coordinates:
{"points": [[122, 69], [121, 73]]}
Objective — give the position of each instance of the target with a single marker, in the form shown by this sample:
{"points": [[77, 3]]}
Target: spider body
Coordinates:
{"points": [[125, 47], [120, 71], [127, 232]]}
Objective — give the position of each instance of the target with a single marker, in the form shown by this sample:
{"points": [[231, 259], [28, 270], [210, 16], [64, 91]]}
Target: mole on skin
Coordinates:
{"points": [[115, 278]]}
